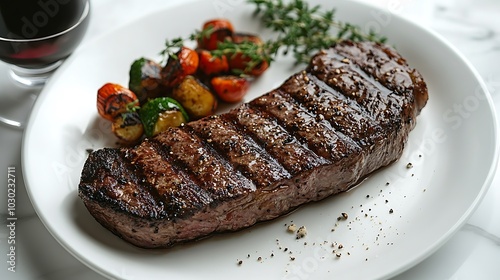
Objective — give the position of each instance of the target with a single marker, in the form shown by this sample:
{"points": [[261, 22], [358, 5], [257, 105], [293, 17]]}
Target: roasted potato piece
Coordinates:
{"points": [[195, 97], [128, 127], [145, 79]]}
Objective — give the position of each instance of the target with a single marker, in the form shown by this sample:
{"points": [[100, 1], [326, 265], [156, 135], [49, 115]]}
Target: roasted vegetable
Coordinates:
{"points": [[128, 127], [145, 79], [213, 32], [230, 89], [184, 63], [113, 100], [211, 65], [195, 97], [160, 113], [245, 64], [241, 37]]}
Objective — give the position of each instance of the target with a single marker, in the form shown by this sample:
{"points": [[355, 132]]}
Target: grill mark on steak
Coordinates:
{"points": [[208, 169], [343, 120], [179, 194], [274, 138], [377, 61], [343, 113], [246, 156], [387, 67], [344, 78], [300, 122]]}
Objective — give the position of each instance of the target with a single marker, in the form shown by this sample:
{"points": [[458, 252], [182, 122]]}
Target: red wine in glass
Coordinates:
{"points": [[37, 35]]}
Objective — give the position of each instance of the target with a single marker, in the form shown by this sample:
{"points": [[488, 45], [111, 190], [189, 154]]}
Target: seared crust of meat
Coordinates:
{"points": [[320, 133]]}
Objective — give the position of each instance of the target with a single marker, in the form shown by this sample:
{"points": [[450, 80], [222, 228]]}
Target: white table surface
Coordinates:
{"points": [[472, 253]]}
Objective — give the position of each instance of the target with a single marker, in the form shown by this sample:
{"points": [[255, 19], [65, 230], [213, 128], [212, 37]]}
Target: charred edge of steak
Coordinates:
{"points": [[318, 134], [109, 178]]}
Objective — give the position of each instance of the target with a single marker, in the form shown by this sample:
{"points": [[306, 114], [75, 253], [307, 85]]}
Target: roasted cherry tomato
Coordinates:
{"points": [[240, 37], [240, 63], [211, 65], [216, 30], [230, 89], [114, 99], [176, 69]]}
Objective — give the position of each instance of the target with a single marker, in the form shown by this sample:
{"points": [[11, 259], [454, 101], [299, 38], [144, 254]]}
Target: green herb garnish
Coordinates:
{"points": [[300, 29]]}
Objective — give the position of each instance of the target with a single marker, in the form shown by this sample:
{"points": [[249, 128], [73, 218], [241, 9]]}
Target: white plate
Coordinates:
{"points": [[453, 152]]}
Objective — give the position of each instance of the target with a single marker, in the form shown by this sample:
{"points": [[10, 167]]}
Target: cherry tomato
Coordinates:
{"points": [[240, 37], [221, 29], [240, 62], [177, 69], [212, 65], [113, 100], [230, 89]]}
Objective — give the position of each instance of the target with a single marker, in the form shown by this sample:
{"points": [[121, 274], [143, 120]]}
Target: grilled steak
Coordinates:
{"points": [[320, 133]]}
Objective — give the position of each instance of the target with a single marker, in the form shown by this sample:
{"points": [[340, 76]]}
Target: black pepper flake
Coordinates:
{"points": [[391, 211], [240, 262], [409, 165]]}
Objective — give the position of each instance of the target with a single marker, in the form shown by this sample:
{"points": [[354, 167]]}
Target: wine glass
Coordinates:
{"points": [[35, 38]]}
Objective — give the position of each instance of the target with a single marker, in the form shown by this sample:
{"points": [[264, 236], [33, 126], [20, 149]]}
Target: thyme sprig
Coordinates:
{"points": [[303, 29], [300, 29], [173, 45]]}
